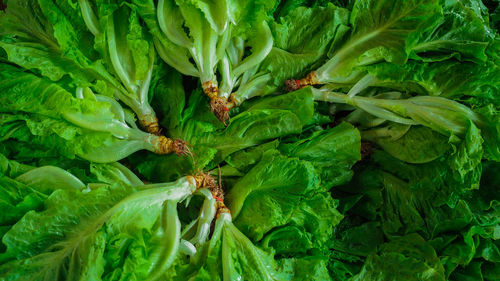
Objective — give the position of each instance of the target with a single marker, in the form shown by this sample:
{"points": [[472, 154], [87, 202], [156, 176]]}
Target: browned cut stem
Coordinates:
{"points": [[218, 105], [205, 180], [151, 125], [366, 150], [218, 194], [164, 145], [293, 85]]}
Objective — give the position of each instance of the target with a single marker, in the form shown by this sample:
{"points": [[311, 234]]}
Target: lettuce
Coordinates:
{"points": [[415, 260], [92, 127], [381, 163], [215, 39], [56, 34], [66, 235]]}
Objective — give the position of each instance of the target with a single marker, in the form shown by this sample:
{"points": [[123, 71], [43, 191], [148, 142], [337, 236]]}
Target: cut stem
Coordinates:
{"points": [[218, 105], [164, 145], [310, 79], [150, 123]]}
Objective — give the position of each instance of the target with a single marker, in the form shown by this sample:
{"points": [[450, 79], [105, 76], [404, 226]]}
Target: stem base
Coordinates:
{"points": [[310, 79]]}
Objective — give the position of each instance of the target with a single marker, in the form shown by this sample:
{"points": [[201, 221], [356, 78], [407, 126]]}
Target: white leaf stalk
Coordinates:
{"points": [[240, 74], [62, 254], [133, 139], [209, 46], [440, 114], [133, 91]]}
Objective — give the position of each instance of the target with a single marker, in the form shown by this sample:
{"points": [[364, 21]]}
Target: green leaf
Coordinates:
{"points": [[443, 115], [416, 145], [466, 158], [310, 227], [251, 128], [44, 179], [450, 79], [302, 38], [286, 191], [12, 168], [230, 255], [461, 32], [248, 14], [115, 173], [215, 12], [261, 177], [306, 268], [175, 55], [89, 128], [300, 102], [17, 199], [74, 40], [244, 160], [405, 258], [407, 211], [359, 240], [30, 41], [387, 28], [43, 245], [434, 178], [490, 132], [129, 54], [170, 99], [332, 151]]}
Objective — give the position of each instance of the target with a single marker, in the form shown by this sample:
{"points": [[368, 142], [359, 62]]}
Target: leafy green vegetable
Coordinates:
{"points": [[92, 127], [332, 151], [408, 258], [283, 198], [80, 224], [461, 32], [301, 39], [412, 144], [440, 114], [445, 79], [215, 39], [385, 30], [266, 119], [52, 37], [230, 255], [381, 163]]}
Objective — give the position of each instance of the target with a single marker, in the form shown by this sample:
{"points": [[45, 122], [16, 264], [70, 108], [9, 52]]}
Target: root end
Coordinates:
{"points": [[291, 85], [366, 150], [221, 208], [180, 147], [166, 145], [219, 107], [205, 180]]}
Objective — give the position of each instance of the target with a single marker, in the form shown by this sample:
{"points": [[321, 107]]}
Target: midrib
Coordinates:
{"points": [[93, 227], [349, 49]]}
